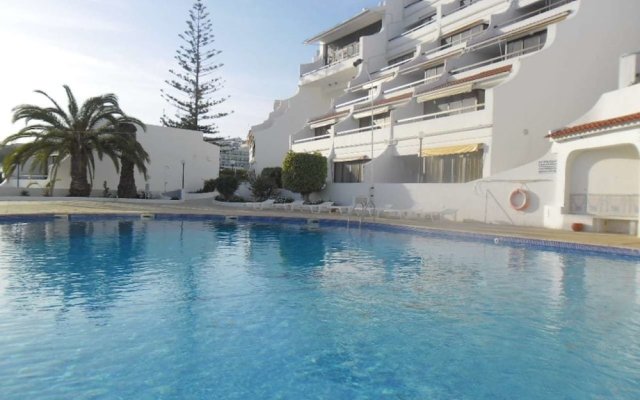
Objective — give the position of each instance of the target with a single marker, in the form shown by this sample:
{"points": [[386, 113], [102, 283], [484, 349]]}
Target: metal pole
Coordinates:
{"points": [[182, 175]]}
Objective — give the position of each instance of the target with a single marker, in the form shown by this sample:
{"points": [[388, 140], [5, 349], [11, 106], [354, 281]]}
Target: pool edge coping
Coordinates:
{"points": [[488, 237]]}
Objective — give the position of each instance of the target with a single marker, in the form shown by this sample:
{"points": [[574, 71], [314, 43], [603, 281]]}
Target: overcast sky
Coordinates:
{"points": [[127, 46]]}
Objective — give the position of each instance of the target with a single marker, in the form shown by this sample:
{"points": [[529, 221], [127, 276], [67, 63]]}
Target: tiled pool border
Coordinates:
{"points": [[506, 240]]}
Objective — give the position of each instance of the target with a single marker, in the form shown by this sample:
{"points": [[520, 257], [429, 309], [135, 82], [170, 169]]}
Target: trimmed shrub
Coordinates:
{"points": [[209, 186], [275, 174], [227, 186], [240, 174], [263, 188], [304, 173]]}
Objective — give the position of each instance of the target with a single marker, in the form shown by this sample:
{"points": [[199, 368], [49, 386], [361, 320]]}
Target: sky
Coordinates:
{"points": [[126, 47]]}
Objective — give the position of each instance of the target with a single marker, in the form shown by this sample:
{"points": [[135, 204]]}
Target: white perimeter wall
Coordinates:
{"points": [[485, 200], [167, 148]]}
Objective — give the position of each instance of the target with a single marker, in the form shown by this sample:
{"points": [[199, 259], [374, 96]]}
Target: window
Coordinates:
{"points": [[382, 119], [467, 3], [458, 104], [434, 71], [321, 131], [525, 45], [401, 58], [462, 36], [455, 168], [349, 46], [349, 172]]}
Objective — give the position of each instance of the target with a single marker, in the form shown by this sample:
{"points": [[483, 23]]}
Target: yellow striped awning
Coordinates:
{"points": [[451, 150]]}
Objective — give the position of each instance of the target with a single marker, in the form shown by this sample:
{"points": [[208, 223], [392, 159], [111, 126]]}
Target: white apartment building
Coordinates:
{"points": [[234, 154], [442, 93]]}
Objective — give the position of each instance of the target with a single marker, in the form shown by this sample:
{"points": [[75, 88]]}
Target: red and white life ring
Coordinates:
{"points": [[519, 199]]}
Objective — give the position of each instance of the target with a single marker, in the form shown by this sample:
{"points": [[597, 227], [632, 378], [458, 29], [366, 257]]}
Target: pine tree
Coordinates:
{"points": [[193, 83]]}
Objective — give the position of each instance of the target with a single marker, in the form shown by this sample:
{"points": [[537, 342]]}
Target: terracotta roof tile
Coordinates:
{"points": [[595, 126]]}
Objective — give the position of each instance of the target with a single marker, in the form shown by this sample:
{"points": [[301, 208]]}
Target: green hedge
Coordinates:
{"points": [[304, 173]]}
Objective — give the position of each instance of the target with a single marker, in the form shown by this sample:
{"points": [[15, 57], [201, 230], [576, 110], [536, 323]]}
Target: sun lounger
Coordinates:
{"points": [[262, 205], [324, 206]]}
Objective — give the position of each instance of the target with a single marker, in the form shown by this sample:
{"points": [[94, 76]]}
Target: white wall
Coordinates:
{"points": [[608, 170], [167, 148], [554, 87]]}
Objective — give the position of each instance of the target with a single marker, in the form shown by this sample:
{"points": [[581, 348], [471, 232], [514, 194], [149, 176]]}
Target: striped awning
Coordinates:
{"points": [[369, 113], [351, 158], [451, 150], [324, 123], [446, 92]]}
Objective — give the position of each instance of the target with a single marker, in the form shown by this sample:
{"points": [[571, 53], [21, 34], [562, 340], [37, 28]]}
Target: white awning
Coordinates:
{"points": [[446, 92], [350, 159], [324, 123], [369, 113]]}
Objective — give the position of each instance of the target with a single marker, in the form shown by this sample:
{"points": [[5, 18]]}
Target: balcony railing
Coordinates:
{"points": [[494, 60], [442, 114], [360, 130], [312, 139], [612, 205], [533, 13], [405, 33], [337, 57], [462, 7], [413, 84], [351, 102]]}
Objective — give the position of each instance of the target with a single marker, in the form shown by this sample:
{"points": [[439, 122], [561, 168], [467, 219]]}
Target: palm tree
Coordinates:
{"points": [[132, 155], [80, 133]]}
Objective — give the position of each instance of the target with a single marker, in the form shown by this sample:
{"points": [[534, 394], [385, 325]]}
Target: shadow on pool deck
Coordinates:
{"points": [[206, 207]]}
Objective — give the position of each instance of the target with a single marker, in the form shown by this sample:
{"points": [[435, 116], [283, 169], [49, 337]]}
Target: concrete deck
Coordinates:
{"points": [[205, 207]]}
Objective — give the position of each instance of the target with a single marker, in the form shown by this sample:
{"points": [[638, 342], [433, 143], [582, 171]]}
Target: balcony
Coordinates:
{"points": [[495, 60], [463, 5], [610, 205], [312, 144], [443, 114], [533, 13], [413, 84], [336, 61]]}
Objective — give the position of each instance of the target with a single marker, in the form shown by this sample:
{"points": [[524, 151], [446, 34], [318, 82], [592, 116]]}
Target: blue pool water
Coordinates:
{"points": [[202, 310]]}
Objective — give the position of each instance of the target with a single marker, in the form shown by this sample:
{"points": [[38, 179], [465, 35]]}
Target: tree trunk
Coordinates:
{"points": [[127, 185], [79, 183]]}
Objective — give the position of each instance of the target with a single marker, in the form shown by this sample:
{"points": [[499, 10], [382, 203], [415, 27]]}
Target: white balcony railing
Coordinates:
{"points": [[413, 84], [312, 139], [442, 114], [613, 205], [337, 57], [463, 6], [533, 13], [410, 31], [360, 130], [354, 101], [494, 60]]}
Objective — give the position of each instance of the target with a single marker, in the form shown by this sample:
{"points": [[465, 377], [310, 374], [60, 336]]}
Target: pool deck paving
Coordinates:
{"points": [[207, 207]]}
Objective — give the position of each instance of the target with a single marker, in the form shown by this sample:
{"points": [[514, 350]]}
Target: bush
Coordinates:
{"points": [[263, 188], [240, 174], [209, 186], [273, 173], [227, 186], [232, 199], [304, 173]]}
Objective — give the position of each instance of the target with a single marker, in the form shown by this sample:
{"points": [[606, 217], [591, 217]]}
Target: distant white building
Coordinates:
{"points": [[179, 159], [234, 154]]}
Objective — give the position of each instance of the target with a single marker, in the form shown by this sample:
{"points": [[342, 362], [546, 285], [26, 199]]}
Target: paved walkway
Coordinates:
{"points": [[207, 207]]}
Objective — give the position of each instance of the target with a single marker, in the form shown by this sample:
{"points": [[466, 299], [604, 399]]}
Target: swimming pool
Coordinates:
{"points": [[111, 309]]}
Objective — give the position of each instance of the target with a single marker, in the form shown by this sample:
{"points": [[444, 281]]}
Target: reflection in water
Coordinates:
{"points": [[100, 261]]}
